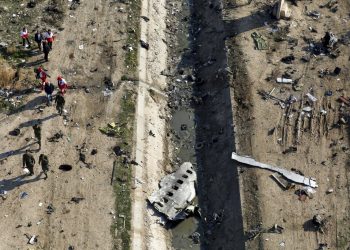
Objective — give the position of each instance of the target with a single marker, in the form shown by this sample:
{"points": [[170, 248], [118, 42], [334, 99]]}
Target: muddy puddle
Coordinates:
{"points": [[183, 129]]}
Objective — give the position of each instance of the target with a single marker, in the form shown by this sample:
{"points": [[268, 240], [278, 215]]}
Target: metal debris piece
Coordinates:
{"points": [[297, 178], [285, 184], [276, 229], [144, 45], [77, 199], [176, 192], [319, 223], [260, 41]]}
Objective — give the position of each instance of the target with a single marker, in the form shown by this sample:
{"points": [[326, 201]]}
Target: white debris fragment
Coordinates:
{"points": [[297, 178]]}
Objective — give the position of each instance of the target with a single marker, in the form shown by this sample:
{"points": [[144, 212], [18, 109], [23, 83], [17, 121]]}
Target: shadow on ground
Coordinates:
{"points": [[12, 183]]}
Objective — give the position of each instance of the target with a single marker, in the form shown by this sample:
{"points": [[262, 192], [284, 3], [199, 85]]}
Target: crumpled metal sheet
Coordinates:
{"points": [[176, 192], [297, 178]]}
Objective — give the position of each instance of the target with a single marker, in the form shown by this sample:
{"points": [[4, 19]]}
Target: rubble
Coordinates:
{"points": [[260, 41], [319, 223], [281, 10], [176, 192], [297, 178]]}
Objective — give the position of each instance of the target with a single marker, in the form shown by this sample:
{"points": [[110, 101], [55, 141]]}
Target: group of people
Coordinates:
{"points": [[43, 39], [28, 159], [49, 88]]}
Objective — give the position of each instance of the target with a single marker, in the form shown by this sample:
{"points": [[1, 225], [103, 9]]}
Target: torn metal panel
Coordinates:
{"points": [[176, 192], [297, 178]]}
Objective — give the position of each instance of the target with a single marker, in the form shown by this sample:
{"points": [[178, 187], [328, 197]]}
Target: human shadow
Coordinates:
{"points": [[10, 184], [31, 105], [21, 150], [255, 20], [36, 121], [32, 64], [309, 226]]}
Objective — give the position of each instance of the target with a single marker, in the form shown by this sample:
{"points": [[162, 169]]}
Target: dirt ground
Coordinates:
{"points": [[86, 51], [267, 132], [208, 46]]}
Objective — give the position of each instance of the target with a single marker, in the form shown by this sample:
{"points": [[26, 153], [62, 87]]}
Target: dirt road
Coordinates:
{"points": [[86, 53]]}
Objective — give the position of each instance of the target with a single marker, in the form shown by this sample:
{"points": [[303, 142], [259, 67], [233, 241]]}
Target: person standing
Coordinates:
{"points": [[42, 75], [49, 37], [25, 36], [46, 50], [60, 103], [62, 84], [49, 88], [37, 133], [28, 162], [38, 38], [44, 161]]}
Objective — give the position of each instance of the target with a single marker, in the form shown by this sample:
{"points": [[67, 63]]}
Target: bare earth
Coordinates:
{"points": [[322, 148], [85, 225]]}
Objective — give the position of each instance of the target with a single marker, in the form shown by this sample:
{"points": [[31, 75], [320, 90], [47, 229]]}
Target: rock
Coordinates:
{"points": [[144, 44]]}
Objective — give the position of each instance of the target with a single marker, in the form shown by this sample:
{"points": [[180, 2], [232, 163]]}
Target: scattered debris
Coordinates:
{"points": [[285, 184], [23, 195], [288, 59], [329, 191], [297, 178], [94, 151], [56, 137], [281, 10], [195, 237], [284, 80], [144, 44], [319, 223], [276, 229], [111, 129], [31, 239], [50, 209], [329, 40], [305, 192], [176, 192], [253, 233], [77, 199], [260, 41], [15, 132]]}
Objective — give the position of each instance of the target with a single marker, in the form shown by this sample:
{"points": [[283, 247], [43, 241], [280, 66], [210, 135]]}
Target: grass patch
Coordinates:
{"points": [[123, 173], [7, 74], [133, 28]]}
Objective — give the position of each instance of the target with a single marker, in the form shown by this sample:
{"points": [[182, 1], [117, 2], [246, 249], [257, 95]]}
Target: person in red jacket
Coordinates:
{"points": [[49, 38], [41, 74], [62, 84], [25, 36]]}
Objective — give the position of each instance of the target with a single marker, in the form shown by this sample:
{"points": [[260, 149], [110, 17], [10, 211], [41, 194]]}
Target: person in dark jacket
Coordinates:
{"points": [[49, 88], [38, 38], [37, 133], [60, 103], [28, 162], [44, 161], [46, 50]]}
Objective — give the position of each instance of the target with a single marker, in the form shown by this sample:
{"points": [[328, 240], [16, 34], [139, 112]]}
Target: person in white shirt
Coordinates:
{"points": [[25, 36]]}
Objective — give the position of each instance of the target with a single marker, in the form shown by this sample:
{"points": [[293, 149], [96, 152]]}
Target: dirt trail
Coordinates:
{"points": [[150, 150], [85, 225]]}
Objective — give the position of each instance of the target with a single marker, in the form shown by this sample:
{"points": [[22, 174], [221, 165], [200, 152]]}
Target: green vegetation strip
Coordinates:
{"points": [[123, 173], [133, 29]]}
